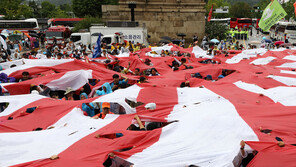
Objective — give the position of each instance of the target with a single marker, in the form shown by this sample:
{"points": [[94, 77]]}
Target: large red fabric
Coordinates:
{"points": [[270, 154], [256, 110]]}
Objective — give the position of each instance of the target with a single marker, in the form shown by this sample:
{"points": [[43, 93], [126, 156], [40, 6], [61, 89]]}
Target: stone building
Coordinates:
{"points": [[162, 17]]}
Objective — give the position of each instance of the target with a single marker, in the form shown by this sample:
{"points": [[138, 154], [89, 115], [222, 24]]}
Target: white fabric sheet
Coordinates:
{"points": [[208, 133], [74, 79], [284, 95], [263, 61], [120, 95], [23, 147], [17, 102], [246, 54], [285, 80], [291, 57], [29, 63]]}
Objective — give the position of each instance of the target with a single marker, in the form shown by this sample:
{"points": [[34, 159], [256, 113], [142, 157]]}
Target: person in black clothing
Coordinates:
{"points": [[195, 38], [54, 43]]}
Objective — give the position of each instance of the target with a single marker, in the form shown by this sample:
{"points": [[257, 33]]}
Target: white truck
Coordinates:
{"points": [[80, 38], [284, 30], [111, 35]]}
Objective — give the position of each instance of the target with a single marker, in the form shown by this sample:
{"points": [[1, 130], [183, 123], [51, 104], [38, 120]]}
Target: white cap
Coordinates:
{"points": [[35, 92], [150, 106]]}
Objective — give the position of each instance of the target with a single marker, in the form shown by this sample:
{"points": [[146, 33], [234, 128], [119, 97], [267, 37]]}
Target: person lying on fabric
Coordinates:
{"points": [[148, 62], [140, 126], [243, 158], [137, 72], [69, 94], [25, 76], [89, 108], [154, 72], [175, 65], [106, 89], [197, 75], [54, 95], [86, 89], [142, 80], [157, 125], [41, 89], [118, 83], [185, 84], [220, 77], [115, 161], [208, 78], [28, 111], [105, 111], [237, 161], [93, 82], [183, 65], [127, 69]]}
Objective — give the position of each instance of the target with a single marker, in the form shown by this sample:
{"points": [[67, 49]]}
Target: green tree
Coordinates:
{"points": [[240, 10], [35, 8], [86, 23], [216, 30], [47, 9], [93, 8], [9, 8], [59, 13], [66, 7], [217, 4], [24, 11], [289, 8]]}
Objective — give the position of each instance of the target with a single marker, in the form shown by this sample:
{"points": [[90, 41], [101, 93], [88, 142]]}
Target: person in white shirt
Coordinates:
{"points": [[237, 161]]}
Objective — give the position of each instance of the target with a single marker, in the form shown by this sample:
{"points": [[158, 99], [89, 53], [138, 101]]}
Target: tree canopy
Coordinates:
{"points": [[216, 30], [93, 8], [17, 9], [240, 10]]}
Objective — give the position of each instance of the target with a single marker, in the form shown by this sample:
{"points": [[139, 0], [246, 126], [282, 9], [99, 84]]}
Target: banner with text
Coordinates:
{"points": [[271, 15]]}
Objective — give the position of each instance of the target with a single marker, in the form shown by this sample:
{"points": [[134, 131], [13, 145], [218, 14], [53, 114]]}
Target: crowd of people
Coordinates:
{"points": [[68, 50]]}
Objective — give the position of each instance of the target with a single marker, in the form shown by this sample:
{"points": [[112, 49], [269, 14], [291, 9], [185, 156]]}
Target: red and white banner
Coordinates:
{"points": [[211, 117]]}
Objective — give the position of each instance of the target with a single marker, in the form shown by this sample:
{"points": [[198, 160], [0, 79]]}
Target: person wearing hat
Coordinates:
{"points": [[69, 94], [105, 111]]}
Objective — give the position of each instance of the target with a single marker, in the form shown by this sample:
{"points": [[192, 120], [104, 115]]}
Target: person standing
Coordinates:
{"points": [[195, 38]]}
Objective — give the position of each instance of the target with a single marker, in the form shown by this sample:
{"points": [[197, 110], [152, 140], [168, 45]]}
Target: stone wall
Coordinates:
{"points": [[162, 17]]}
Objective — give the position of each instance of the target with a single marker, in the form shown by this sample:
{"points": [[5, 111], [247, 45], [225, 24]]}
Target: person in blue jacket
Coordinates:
{"points": [[106, 89], [89, 108]]}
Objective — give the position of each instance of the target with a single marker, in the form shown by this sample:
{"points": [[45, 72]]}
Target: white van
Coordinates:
{"points": [[81, 38]]}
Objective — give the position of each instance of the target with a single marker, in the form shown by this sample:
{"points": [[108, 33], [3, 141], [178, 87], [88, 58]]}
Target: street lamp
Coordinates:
{"points": [[132, 5]]}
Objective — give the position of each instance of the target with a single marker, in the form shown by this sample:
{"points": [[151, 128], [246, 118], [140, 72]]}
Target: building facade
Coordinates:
{"points": [[162, 17]]}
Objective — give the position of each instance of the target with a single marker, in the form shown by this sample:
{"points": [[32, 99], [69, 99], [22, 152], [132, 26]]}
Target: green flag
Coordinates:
{"points": [[271, 15]]}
